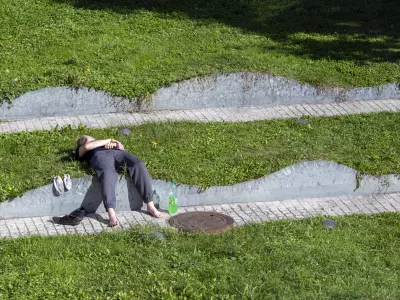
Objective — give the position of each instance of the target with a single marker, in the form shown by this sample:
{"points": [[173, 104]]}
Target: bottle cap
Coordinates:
{"points": [[173, 180]]}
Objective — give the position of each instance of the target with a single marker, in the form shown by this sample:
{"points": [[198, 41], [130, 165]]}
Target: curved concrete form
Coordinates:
{"points": [[232, 90], [310, 179]]}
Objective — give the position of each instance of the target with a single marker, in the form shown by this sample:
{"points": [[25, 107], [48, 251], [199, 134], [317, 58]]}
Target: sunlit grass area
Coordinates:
{"points": [[208, 154], [300, 259]]}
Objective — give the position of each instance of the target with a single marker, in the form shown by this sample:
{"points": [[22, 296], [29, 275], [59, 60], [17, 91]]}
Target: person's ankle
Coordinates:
{"points": [[150, 205]]}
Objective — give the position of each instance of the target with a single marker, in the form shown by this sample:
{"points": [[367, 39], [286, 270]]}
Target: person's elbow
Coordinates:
{"points": [[82, 150]]}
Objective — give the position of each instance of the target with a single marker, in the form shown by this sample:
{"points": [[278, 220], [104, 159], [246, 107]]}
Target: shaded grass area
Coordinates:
{"points": [[132, 48], [276, 260], [210, 154]]}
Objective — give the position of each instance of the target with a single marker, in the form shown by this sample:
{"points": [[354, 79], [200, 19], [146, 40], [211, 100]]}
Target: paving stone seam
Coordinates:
{"points": [[238, 114], [242, 213]]}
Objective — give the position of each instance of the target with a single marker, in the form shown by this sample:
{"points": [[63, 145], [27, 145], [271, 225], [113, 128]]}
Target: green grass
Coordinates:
{"points": [[277, 260], [132, 48], [210, 154]]}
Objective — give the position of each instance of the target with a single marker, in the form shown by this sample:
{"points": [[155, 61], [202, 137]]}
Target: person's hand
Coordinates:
{"points": [[110, 145], [120, 146]]}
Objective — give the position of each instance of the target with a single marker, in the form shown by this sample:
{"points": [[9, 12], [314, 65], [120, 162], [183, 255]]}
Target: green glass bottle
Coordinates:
{"points": [[172, 199]]}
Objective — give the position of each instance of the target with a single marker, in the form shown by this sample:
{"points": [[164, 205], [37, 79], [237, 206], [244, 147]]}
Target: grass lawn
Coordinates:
{"points": [[210, 154], [132, 48], [277, 260]]}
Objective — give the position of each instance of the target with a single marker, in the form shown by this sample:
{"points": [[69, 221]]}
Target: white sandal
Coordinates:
{"points": [[67, 182], [58, 185]]}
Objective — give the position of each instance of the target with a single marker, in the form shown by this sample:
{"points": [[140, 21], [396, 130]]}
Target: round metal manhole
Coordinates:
{"points": [[202, 221]]}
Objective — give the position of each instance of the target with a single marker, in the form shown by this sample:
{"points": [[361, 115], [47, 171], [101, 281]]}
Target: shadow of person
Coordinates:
{"points": [[66, 155], [97, 217], [90, 204], [128, 198], [93, 199]]}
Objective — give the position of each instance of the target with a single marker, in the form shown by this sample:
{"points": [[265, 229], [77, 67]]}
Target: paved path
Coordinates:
{"points": [[241, 114], [242, 213]]}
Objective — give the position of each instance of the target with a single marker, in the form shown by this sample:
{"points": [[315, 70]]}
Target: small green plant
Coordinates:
{"points": [[73, 60], [75, 80], [359, 176]]}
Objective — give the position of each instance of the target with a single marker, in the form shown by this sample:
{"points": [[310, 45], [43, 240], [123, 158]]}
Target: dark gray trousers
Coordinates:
{"points": [[106, 163]]}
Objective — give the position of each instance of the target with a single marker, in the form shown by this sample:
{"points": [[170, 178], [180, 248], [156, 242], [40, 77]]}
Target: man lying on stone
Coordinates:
{"points": [[106, 157]]}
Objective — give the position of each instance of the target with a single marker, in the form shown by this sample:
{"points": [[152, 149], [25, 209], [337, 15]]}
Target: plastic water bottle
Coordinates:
{"points": [[172, 199]]}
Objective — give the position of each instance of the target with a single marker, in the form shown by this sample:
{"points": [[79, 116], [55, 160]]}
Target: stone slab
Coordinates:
{"points": [[214, 91], [309, 179]]}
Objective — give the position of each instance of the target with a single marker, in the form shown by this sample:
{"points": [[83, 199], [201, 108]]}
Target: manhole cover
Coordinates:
{"points": [[202, 221]]}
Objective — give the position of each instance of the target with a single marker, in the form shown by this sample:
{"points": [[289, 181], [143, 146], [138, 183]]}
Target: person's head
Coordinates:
{"points": [[83, 140]]}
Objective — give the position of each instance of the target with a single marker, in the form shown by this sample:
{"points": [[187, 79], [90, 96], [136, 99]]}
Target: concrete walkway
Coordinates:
{"points": [[242, 213], [240, 114]]}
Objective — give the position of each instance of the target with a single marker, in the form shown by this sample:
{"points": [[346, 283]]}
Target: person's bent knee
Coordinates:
{"points": [[138, 168], [141, 165]]}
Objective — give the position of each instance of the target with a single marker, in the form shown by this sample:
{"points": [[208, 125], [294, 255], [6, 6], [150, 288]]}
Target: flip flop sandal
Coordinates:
{"points": [[58, 185], [67, 182]]}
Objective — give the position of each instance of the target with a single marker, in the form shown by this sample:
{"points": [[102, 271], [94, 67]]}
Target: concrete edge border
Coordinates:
{"points": [[308, 179], [213, 91]]}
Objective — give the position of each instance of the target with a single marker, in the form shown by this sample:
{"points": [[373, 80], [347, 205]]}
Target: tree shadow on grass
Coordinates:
{"points": [[358, 30]]}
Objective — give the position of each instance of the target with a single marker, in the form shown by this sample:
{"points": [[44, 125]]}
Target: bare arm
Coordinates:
{"points": [[92, 145]]}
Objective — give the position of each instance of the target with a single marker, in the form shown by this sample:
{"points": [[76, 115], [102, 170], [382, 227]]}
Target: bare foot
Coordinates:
{"points": [[151, 209], [112, 218], [113, 222]]}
